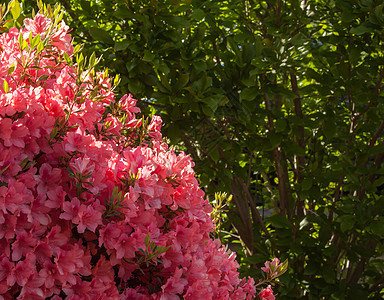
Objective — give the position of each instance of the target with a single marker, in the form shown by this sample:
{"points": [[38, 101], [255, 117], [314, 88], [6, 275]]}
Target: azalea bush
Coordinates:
{"points": [[93, 203]]}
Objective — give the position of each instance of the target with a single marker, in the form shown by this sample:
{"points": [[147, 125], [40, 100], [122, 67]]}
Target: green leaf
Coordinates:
{"points": [[121, 45], [198, 14], [23, 163], [173, 132], [123, 12], [86, 6], [3, 170], [346, 222], [78, 48], [329, 129], [148, 56], [329, 275], [158, 260], [361, 29], [21, 39], [207, 110], [202, 84], [147, 240], [347, 16], [377, 227], [214, 154], [5, 86], [181, 82], [275, 139], [35, 41], [306, 184], [101, 35], [312, 268], [278, 221], [53, 133], [293, 148], [92, 59], [354, 55], [11, 69], [249, 94], [299, 39], [256, 258], [200, 65], [280, 125], [116, 81], [40, 47], [43, 77], [67, 58], [16, 9], [215, 101]]}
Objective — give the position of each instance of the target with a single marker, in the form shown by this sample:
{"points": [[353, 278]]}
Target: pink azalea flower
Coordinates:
{"points": [[271, 268], [82, 166], [13, 133], [155, 128], [128, 104], [86, 216], [267, 294], [174, 285], [62, 40], [23, 245], [38, 25], [89, 218]]}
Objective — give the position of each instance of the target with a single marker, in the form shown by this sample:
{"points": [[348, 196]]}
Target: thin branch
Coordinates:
{"points": [[191, 149], [249, 171], [378, 84], [376, 135], [277, 155], [269, 188], [238, 192], [299, 161], [256, 215], [278, 13], [376, 284]]}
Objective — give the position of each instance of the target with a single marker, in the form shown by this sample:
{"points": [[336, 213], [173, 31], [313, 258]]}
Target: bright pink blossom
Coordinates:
{"points": [[271, 268], [39, 25], [62, 40], [89, 194], [267, 294]]}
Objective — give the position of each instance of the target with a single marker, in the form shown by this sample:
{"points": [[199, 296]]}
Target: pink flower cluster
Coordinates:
{"points": [[273, 268], [93, 205]]}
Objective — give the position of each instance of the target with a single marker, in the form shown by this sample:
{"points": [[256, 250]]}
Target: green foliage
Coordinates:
{"points": [[280, 103]]}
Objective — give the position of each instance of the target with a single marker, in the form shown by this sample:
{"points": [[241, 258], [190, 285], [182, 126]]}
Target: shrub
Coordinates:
{"points": [[93, 205]]}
